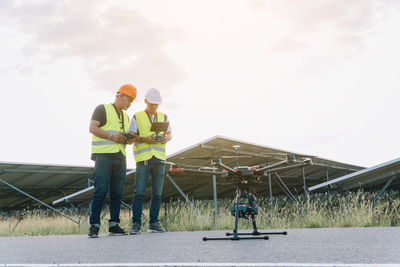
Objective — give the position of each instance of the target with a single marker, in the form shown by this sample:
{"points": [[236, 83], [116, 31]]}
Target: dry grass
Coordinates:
{"points": [[354, 210]]}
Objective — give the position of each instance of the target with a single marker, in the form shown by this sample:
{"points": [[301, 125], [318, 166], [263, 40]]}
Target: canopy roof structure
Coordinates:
{"points": [[60, 185], [370, 178]]}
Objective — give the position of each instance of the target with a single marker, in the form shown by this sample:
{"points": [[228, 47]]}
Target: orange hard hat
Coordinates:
{"points": [[127, 89]]}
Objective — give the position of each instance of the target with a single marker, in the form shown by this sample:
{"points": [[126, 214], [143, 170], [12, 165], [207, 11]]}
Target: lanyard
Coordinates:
{"points": [[149, 116], [120, 117]]}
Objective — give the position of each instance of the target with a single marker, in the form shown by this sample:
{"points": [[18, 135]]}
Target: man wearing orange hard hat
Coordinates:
{"points": [[109, 127]]}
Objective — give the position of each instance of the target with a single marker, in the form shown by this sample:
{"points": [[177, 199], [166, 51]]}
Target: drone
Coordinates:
{"points": [[242, 177]]}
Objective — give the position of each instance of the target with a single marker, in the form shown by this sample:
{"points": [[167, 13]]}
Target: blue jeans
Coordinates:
{"points": [[156, 169], [109, 172]]}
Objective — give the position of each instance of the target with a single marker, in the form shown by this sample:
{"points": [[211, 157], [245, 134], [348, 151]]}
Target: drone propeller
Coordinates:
{"points": [[208, 168]]}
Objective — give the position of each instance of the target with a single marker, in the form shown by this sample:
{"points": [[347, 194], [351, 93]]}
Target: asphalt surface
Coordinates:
{"points": [[333, 245]]}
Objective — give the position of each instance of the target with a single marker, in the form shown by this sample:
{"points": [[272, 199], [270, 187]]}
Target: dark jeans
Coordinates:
{"points": [[109, 172], [156, 169]]}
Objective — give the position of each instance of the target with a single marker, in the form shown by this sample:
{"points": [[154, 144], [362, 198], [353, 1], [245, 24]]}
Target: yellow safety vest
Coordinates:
{"points": [[144, 151], [113, 125]]}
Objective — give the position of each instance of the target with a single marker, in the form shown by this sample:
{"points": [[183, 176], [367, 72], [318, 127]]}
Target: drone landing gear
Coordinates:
{"points": [[253, 235], [241, 211]]}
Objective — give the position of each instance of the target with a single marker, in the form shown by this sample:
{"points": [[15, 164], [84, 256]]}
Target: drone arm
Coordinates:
{"points": [[303, 164], [216, 162], [226, 167], [271, 166]]}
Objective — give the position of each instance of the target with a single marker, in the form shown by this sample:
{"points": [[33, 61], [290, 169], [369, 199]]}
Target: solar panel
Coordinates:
{"points": [[42, 181], [369, 178]]}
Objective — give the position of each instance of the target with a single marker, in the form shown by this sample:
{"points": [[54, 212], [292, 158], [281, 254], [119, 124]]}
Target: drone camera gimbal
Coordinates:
{"points": [[244, 211]]}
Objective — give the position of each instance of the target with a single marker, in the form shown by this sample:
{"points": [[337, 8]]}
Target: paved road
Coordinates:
{"points": [[336, 245]]}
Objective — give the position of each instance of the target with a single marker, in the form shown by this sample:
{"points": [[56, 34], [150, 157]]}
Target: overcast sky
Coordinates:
{"points": [[313, 77]]}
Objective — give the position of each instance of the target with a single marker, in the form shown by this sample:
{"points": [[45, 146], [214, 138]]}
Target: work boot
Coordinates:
{"points": [[93, 231], [135, 230], [116, 230], [156, 228]]}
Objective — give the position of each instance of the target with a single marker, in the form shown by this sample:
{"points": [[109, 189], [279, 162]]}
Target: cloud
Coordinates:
{"points": [[321, 33], [310, 16], [342, 19], [115, 44], [287, 44]]}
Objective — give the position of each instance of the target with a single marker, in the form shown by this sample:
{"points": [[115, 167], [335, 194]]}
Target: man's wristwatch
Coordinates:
{"points": [[141, 139]]}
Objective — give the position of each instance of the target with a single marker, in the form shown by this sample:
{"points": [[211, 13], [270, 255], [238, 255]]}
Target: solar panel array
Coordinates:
{"points": [[53, 182]]}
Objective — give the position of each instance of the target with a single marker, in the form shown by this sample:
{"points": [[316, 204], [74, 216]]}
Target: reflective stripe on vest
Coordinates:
{"points": [[113, 125], [146, 149], [143, 151]]}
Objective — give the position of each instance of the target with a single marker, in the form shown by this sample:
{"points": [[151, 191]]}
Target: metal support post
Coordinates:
{"points": [[166, 214], [15, 226], [186, 198], [344, 203], [271, 198], [105, 211], [215, 199], [285, 189], [305, 188], [388, 183], [126, 205], [235, 230], [329, 188]]}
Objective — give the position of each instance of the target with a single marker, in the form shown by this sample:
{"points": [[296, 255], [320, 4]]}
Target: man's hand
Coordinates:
{"points": [[149, 139], [118, 138], [167, 137], [130, 141]]}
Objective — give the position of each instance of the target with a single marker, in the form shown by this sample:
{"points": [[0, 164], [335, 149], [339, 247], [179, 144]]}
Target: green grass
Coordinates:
{"points": [[354, 210]]}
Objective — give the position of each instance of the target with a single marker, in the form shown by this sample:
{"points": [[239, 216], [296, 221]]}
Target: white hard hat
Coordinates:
{"points": [[153, 96]]}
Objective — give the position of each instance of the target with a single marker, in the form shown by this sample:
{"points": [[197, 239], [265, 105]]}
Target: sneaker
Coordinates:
{"points": [[93, 231], [135, 230], [116, 230], [156, 228]]}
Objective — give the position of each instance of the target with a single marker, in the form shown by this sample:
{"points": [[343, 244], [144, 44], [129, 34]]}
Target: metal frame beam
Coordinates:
{"points": [[37, 200], [66, 198], [44, 171], [388, 183], [185, 196]]}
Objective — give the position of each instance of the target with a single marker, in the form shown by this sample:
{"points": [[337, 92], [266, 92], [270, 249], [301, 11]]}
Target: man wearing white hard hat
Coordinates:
{"points": [[150, 156]]}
